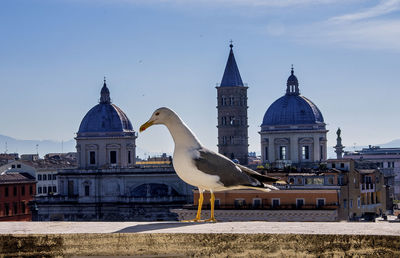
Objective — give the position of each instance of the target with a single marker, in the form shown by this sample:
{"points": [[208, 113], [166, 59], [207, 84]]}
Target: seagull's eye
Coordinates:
{"points": [[157, 113]]}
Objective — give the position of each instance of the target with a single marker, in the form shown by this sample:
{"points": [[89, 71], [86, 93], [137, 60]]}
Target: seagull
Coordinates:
{"points": [[203, 168]]}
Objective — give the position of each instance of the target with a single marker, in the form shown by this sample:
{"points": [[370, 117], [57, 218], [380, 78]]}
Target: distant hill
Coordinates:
{"points": [[29, 146], [391, 144], [49, 146]]}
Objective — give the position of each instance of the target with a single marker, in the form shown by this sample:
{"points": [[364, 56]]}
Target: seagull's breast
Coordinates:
{"points": [[185, 168]]}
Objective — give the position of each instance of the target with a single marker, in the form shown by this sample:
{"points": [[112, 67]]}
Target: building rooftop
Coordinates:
{"points": [[12, 178]]}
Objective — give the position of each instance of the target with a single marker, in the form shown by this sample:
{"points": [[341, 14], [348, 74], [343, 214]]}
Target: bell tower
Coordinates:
{"points": [[232, 113]]}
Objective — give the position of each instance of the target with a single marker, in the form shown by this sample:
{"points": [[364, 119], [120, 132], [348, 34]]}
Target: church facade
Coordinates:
{"points": [[293, 130], [107, 185]]}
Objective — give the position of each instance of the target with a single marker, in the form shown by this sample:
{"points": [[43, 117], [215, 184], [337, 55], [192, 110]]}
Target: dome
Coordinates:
{"points": [[292, 108], [105, 117]]}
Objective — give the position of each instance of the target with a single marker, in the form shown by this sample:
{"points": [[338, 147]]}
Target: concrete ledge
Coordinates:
{"points": [[174, 239]]}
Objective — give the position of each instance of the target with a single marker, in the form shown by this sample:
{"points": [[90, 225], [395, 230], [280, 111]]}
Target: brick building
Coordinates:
{"points": [[232, 113], [16, 191]]}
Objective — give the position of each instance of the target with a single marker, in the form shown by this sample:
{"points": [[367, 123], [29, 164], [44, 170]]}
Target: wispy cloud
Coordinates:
{"points": [[383, 8], [365, 29], [249, 3]]}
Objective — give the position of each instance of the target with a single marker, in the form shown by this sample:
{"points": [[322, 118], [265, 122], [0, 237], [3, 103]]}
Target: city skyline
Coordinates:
{"points": [[171, 53]]}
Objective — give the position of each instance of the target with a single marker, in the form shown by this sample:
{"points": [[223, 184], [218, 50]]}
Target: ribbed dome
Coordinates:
{"points": [[292, 110], [105, 117]]}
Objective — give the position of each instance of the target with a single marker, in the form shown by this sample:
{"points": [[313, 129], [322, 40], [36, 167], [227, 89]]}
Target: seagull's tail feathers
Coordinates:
{"points": [[266, 180], [264, 187]]}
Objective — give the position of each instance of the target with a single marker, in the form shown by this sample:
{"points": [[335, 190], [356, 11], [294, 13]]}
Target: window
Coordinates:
{"points": [[330, 180], [15, 206], [309, 181], [23, 190], [223, 120], [44, 189], [239, 203], [223, 139], [12, 166], [92, 157], [129, 157], [15, 191], [71, 188], [223, 101], [275, 203], [351, 203], [358, 202], [231, 139], [320, 202], [39, 177], [6, 191], [291, 181], [305, 152], [390, 164], [318, 181], [266, 153], [256, 203], [231, 120], [87, 190], [54, 189], [282, 152], [217, 203], [321, 152], [231, 100], [44, 177], [113, 157], [345, 203], [341, 165], [39, 189], [30, 190], [299, 181], [23, 209], [299, 203], [18, 165], [7, 209], [49, 189], [54, 176], [333, 165]]}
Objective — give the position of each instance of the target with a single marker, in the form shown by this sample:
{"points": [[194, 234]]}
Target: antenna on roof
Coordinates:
{"points": [[37, 149]]}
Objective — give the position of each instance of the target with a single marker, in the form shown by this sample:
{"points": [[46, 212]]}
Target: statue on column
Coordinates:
{"points": [[339, 147]]}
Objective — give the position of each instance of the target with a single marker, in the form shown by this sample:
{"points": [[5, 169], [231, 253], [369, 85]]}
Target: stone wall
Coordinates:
{"points": [[199, 245]]}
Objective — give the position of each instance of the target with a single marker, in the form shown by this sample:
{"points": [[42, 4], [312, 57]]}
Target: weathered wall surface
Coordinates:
{"points": [[183, 245]]}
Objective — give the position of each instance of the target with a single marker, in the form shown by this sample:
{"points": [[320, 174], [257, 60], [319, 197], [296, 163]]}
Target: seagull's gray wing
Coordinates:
{"points": [[229, 174]]}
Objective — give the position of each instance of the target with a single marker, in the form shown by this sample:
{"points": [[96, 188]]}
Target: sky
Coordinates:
{"points": [[55, 53]]}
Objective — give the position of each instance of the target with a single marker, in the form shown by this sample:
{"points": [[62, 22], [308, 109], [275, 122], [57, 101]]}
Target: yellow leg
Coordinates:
{"points": [[197, 219], [212, 200]]}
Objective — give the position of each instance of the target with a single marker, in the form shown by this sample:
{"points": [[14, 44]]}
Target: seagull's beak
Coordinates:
{"points": [[146, 125]]}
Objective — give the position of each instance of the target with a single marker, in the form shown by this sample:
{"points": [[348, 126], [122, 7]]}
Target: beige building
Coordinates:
{"points": [[363, 192]]}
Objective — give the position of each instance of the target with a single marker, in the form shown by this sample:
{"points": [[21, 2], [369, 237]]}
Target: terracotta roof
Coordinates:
{"points": [[16, 178]]}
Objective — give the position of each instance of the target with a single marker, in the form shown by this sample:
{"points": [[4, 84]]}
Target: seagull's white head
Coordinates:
{"points": [[160, 116]]}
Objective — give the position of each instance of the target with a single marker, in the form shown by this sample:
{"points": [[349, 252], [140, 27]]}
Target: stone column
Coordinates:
{"points": [[316, 148], [271, 149]]}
